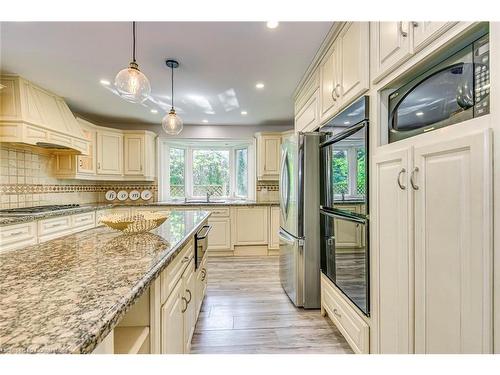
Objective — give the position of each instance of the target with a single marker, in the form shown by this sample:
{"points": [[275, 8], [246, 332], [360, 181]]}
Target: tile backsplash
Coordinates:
{"points": [[267, 191], [26, 180]]}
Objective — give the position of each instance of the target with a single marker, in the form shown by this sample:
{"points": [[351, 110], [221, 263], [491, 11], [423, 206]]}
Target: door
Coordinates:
{"points": [[290, 277], [189, 285], [425, 32], [109, 153], [391, 43], [288, 182], [330, 89], [220, 234], [354, 54], [392, 253], [172, 322], [451, 182], [134, 154]]}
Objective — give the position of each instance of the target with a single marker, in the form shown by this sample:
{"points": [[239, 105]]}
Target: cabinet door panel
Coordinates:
{"points": [[391, 46], [172, 322], [134, 154], [109, 153], [452, 246], [354, 57], [220, 234], [189, 284], [271, 155], [328, 72], [425, 32], [307, 119], [392, 253], [251, 225], [274, 240], [86, 164]]}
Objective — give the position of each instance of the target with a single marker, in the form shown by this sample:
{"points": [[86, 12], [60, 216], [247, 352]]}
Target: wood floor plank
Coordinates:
{"points": [[246, 311]]}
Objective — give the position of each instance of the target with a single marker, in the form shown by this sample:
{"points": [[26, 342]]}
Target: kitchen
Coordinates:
{"points": [[336, 197]]}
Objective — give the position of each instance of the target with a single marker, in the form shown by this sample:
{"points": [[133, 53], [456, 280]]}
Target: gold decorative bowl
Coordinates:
{"points": [[138, 223]]}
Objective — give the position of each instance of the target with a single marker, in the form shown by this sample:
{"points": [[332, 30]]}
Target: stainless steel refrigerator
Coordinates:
{"points": [[299, 219]]}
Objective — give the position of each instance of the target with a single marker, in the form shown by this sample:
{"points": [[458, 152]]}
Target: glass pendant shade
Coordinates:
{"points": [[132, 85], [171, 123]]}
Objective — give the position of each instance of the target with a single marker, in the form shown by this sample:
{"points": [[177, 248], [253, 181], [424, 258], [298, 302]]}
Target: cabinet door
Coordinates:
{"points": [[172, 322], [453, 307], [250, 226], [391, 42], [269, 156], [347, 233], [274, 228], [220, 234], [329, 84], [308, 117], [87, 164], [109, 153], [392, 258], [354, 56], [189, 284], [134, 154], [425, 32]]}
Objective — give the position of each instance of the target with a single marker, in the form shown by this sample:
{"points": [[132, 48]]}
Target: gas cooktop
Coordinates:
{"points": [[24, 211]]}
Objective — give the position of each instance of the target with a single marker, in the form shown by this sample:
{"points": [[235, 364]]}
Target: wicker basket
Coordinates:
{"points": [[138, 223]]}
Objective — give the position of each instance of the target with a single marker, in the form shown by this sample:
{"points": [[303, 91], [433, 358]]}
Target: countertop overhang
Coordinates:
{"points": [[67, 294]]}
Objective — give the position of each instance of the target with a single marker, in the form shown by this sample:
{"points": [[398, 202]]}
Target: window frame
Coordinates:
{"points": [[189, 146]]}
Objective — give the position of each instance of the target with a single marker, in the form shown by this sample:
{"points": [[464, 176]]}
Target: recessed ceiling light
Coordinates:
{"points": [[419, 113], [204, 120], [105, 82], [244, 113], [154, 111], [259, 85], [272, 24]]}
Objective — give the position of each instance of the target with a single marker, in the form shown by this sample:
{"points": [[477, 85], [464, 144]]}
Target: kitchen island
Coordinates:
{"points": [[68, 294]]}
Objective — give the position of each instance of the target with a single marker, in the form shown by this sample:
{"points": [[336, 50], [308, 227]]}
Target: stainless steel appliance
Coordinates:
{"points": [[299, 219], [455, 90], [29, 211], [201, 244], [344, 203]]}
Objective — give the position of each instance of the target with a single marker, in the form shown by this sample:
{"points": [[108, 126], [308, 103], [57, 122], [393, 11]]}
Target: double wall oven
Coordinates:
{"points": [[344, 203]]}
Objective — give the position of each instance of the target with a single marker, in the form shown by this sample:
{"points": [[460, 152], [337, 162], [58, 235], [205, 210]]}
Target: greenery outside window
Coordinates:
{"points": [[349, 172]]}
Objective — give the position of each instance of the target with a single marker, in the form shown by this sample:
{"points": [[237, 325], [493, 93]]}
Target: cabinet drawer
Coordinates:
{"points": [[171, 275], [83, 221], [17, 236], [353, 327], [53, 228], [217, 212]]}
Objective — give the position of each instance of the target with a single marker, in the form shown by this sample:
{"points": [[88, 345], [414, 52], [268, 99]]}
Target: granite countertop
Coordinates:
{"points": [[66, 295], [10, 220]]}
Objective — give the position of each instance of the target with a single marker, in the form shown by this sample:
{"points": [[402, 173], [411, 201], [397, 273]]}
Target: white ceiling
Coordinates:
{"points": [[219, 62]]}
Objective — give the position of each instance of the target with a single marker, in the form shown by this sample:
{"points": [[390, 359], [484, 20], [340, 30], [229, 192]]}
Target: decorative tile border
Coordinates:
{"points": [[269, 186], [45, 189]]}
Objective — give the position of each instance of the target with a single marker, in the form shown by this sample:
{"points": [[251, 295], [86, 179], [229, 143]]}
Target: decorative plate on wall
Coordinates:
{"points": [[134, 195], [110, 195], [122, 195], [146, 195]]}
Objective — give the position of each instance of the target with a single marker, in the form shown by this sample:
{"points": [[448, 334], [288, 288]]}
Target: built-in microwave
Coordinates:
{"points": [[455, 90]]}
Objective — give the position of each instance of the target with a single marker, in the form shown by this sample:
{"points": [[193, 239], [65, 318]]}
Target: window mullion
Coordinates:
{"points": [[188, 182]]}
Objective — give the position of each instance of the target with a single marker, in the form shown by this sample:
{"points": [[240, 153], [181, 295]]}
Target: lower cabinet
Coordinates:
{"points": [[172, 322], [201, 285], [250, 225], [274, 228], [17, 236]]}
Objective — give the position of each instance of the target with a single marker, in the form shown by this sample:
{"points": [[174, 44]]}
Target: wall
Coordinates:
{"points": [[26, 180]]}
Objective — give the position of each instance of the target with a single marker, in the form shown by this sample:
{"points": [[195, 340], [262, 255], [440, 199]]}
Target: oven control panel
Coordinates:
{"points": [[482, 76]]}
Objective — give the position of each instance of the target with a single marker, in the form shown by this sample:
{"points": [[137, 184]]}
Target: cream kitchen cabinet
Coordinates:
{"points": [[391, 45], [425, 32], [274, 227], [250, 225], [329, 82], [428, 258], [220, 234], [268, 155], [172, 322], [139, 155], [109, 152], [17, 236], [307, 106], [189, 285], [201, 285]]}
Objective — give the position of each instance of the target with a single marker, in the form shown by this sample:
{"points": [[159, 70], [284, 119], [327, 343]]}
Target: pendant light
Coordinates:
{"points": [[131, 84], [172, 123]]}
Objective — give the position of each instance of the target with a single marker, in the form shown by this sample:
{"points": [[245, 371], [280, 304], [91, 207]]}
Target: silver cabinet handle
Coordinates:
{"points": [[190, 296], [335, 311], [404, 34], [186, 301], [412, 179], [337, 91], [401, 186]]}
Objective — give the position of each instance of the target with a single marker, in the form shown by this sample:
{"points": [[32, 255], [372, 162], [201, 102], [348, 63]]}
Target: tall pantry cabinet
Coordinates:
{"points": [[432, 246]]}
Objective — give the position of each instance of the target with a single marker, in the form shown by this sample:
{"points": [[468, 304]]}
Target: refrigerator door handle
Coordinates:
{"points": [[284, 179], [290, 240]]}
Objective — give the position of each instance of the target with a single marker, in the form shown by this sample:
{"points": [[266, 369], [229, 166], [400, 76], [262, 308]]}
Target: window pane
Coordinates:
{"points": [[361, 175], [211, 173], [177, 181], [242, 172], [340, 172]]}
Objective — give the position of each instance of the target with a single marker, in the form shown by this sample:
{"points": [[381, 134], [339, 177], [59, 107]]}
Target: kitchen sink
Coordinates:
{"points": [[205, 201]]}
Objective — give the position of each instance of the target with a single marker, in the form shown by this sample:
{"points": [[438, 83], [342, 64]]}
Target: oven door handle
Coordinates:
{"points": [[204, 235], [344, 216]]}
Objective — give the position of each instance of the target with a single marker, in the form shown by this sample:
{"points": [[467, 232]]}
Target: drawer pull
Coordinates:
{"points": [[186, 302], [203, 274], [16, 233], [185, 259], [190, 296], [55, 225], [336, 312]]}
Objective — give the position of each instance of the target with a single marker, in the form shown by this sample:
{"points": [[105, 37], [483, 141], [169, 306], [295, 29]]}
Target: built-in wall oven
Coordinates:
{"points": [[344, 203], [455, 90]]}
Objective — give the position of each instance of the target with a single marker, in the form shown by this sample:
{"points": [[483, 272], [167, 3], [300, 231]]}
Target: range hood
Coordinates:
{"points": [[33, 116]]}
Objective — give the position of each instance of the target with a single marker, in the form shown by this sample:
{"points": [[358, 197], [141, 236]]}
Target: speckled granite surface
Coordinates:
{"points": [[65, 295], [10, 220]]}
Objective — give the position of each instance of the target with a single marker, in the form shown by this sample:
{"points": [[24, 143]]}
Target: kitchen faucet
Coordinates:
{"points": [[208, 197]]}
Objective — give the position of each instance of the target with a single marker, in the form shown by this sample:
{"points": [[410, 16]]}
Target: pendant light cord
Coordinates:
{"points": [[172, 69], [133, 39]]}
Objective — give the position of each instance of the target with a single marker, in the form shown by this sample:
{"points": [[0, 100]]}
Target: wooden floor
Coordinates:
{"points": [[246, 311]]}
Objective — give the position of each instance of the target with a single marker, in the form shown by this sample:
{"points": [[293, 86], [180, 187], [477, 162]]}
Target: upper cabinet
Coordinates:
{"points": [[109, 152], [395, 42], [329, 84], [139, 156], [268, 155], [307, 106], [34, 116]]}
